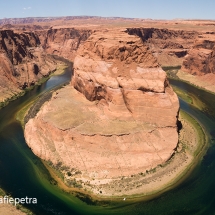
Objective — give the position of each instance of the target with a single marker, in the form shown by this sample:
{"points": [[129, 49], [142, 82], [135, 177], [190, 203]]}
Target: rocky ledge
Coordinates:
{"points": [[118, 118], [23, 62]]}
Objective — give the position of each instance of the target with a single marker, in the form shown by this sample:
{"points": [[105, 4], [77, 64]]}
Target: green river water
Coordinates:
{"points": [[23, 174]]}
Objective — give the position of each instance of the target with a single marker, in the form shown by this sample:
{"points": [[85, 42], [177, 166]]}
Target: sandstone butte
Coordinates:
{"points": [[117, 118]]}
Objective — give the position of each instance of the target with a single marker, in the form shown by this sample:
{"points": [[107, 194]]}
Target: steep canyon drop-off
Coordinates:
{"points": [[25, 59]]}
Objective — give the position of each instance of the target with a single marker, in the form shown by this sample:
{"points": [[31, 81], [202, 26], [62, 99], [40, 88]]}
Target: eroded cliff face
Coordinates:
{"points": [[200, 59], [168, 46], [193, 51], [26, 57], [118, 70], [22, 62], [118, 118], [64, 41], [198, 66]]}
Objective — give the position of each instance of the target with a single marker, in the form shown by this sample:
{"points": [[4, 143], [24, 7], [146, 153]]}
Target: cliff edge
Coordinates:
{"points": [[23, 62]]}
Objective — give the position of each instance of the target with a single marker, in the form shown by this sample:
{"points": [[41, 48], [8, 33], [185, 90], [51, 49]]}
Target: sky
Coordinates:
{"points": [[153, 9]]}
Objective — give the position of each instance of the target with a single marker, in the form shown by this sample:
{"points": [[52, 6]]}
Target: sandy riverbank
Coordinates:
{"points": [[205, 82], [151, 183], [9, 209]]}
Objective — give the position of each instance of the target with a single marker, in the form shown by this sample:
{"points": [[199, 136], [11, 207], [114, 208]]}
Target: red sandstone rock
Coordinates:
{"points": [[22, 62], [123, 119], [63, 42], [168, 46], [200, 59]]}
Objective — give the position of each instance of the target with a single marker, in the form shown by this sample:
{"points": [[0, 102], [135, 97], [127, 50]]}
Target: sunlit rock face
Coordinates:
{"points": [[22, 62], [63, 42], [200, 59], [169, 46], [119, 115]]}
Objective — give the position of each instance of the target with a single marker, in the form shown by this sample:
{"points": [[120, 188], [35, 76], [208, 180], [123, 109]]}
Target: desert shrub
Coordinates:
{"points": [[69, 173]]}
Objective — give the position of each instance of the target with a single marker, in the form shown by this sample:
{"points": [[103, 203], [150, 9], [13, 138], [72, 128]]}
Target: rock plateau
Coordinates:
{"points": [[117, 118]]}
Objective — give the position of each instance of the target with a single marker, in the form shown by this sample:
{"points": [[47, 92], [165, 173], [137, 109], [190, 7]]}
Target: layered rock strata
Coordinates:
{"points": [[193, 51], [198, 67], [118, 118], [168, 46], [63, 42], [22, 62], [25, 59], [201, 57]]}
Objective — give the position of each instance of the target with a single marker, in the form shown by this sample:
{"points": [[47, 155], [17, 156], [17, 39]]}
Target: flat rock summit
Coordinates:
{"points": [[118, 116]]}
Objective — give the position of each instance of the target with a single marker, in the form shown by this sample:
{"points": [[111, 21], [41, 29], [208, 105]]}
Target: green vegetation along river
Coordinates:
{"points": [[23, 174]]}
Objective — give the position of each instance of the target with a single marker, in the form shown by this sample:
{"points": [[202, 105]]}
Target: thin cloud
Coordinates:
{"points": [[26, 8]]}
